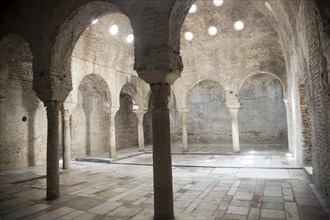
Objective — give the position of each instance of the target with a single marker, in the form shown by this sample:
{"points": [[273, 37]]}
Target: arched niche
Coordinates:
{"points": [[23, 127], [262, 117], [209, 120], [90, 120], [126, 120]]}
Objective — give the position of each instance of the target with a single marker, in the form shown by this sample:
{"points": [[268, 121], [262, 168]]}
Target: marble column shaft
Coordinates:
{"points": [[184, 130], [53, 179], [235, 133], [140, 116], [66, 139], [113, 146], [162, 162]]}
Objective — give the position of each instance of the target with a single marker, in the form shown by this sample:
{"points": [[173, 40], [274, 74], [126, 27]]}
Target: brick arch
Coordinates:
{"points": [[63, 43], [269, 73], [132, 91], [178, 14], [96, 81], [197, 82]]}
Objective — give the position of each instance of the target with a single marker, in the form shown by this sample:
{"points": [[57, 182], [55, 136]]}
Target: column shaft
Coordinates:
{"points": [[184, 131], [162, 163], [113, 146], [235, 133], [66, 140], [53, 179], [140, 131]]}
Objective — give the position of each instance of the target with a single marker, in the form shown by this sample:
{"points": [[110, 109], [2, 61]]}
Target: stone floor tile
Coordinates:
{"points": [[228, 216], [254, 214], [310, 201], [32, 194], [86, 216], [210, 207], [125, 211], [71, 215], [272, 214], [55, 214], [291, 211], [240, 203], [272, 199], [182, 204], [198, 185], [82, 203], [243, 196], [193, 206], [238, 210], [105, 207], [25, 211], [273, 193], [224, 205], [272, 205], [12, 204]]}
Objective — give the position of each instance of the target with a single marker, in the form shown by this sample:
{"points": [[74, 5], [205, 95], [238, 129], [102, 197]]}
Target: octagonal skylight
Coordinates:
{"points": [[113, 29]]}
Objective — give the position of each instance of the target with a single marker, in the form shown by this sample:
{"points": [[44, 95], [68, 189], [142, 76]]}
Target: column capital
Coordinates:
{"points": [[158, 65], [234, 111], [114, 110], [67, 109], [140, 115], [140, 112]]}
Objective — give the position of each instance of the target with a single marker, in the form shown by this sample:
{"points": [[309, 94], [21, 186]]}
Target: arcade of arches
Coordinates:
{"points": [[87, 79]]}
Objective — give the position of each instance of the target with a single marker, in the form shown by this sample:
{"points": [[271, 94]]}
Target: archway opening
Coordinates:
{"points": [[126, 120], [262, 117], [90, 121], [209, 120]]}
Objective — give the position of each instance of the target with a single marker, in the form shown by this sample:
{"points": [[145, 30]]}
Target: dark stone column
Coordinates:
{"points": [[53, 179], [162, 163]]}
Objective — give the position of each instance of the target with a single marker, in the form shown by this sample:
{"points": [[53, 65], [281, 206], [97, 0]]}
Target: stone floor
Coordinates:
{"points": [[205, 187]]}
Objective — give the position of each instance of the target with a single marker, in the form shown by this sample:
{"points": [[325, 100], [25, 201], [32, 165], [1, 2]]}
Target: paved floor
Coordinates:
{"points": [[205, 187]]}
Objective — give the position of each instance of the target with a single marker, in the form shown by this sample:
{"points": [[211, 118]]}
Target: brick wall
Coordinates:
{"points": [[306, 128], [319, 99]]}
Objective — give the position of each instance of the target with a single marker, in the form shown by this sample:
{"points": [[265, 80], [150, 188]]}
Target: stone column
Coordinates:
{"points": [[234, 125], [53, 179], [113, 146], [162, 163], [140, 115], [66, 114], [184, 130], [289, 125]]}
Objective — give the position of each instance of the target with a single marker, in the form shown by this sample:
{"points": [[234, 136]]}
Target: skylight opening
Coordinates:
{"points": [[239, 25], [217, 2], [193, 9], [114, 29], [268, 6], [95, 21], [130, 38], [212, 31], [188, 36]]}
